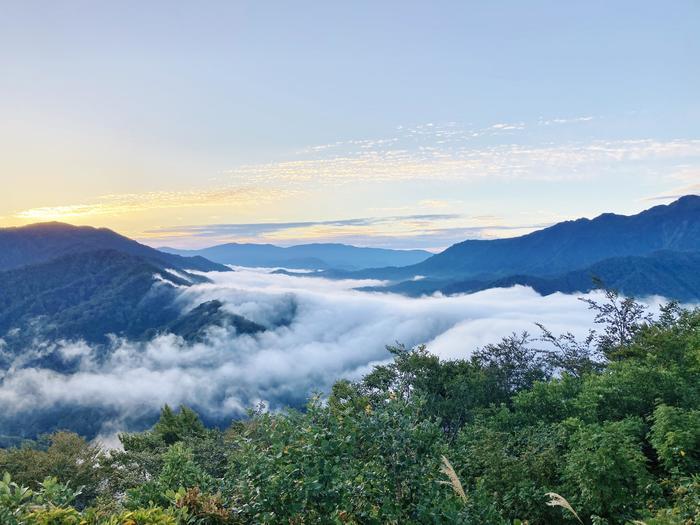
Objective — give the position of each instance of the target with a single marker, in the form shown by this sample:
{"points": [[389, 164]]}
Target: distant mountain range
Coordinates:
{"points": [[65, 282], [653, 252], [316, 256], [59, 281], [574, 244]]}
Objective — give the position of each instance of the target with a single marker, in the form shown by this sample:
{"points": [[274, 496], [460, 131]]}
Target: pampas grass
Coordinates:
{"points": [[448, 470], [555, 500]]}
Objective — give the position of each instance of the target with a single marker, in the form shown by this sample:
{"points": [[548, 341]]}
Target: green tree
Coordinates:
{"points": [[675, 435], [605, 471]]}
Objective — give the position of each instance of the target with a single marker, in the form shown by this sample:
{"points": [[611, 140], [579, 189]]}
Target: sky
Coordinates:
{"points": [[395, 123]]}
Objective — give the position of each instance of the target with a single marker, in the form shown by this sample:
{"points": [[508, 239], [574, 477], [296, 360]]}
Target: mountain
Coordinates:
{"points": [[59, 281], [306, 256], [193, 325], [91, 295], [572, 245], [674, 275], [87, 296], [38, 243], [561, 248]]}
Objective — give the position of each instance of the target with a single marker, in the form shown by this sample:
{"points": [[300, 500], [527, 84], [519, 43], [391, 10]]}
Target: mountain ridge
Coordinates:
{"points": [[579, 243], [90, 296], [311, 256], [42, 242], [562, 247]]}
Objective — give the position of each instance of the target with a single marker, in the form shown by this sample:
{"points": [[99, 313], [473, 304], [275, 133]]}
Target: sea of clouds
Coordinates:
{"points": [[318, 331]]}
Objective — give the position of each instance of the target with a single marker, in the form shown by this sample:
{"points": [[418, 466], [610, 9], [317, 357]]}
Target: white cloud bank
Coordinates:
{"points": [[319, 331]]}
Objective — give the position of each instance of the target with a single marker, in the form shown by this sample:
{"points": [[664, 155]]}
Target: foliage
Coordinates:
{"points": [[621, 317], [605, 468], [675, 435], [64, 456]]}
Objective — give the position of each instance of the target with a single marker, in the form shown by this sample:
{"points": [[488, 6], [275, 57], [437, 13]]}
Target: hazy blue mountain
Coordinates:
{"points": [[86, 295], [306, 256], [42, 242]]}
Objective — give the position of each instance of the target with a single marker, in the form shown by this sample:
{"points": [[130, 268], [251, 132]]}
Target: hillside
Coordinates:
{"points": [[38, 243], [193, 325], [93, 294], [306, 256], [673, 275]]}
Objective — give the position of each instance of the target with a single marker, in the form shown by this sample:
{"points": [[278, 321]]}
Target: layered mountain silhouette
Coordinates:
{"points": [[315, 256], [61, 282], [575, 244], [65, 282]]}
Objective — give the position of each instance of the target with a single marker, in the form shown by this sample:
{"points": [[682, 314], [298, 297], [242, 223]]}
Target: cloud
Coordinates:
{"points": [[687, 181], [436, 230], [334, 332], [566, 120], [456, 156], [216, 230], [112, 205], [692, 189], [453, 152]]}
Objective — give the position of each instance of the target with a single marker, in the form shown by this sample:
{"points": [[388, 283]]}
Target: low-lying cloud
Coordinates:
{"points": [[318, 331]]}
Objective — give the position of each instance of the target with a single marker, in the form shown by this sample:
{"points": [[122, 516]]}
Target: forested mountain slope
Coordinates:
{"points": [[92, 295]]}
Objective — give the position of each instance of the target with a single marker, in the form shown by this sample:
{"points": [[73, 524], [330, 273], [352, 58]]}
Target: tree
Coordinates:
{"points": [[622, 318], [67, 457], [605, 470], [675, 435], [513, 363]]}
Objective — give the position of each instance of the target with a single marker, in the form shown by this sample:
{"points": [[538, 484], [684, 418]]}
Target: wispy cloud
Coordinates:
{"points": [[430, 231], [564, 120], [686, 180], [447, 154], [457, 154], [114, 205]]}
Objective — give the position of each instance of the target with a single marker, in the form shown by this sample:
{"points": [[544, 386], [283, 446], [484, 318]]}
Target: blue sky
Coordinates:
{"points": [[345, 120]]}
